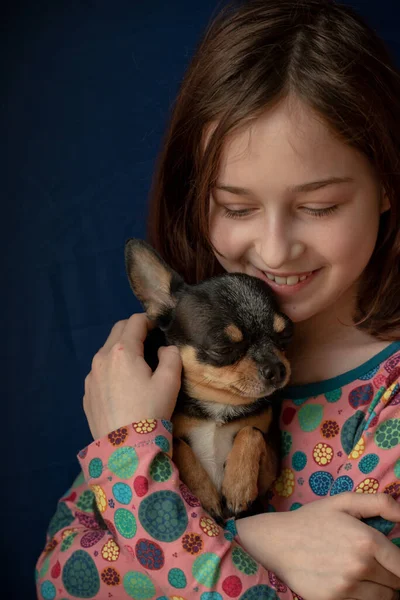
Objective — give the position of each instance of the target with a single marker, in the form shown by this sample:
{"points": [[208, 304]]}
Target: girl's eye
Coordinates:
{"points": [[236, 214], [315, 212], [321, 212]]}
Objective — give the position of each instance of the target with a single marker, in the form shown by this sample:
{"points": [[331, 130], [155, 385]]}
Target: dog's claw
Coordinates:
{"points": [[217, 518], [229, 510]]}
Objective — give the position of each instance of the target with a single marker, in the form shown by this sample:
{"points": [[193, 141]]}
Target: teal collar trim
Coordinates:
{"points": [[328, 385]]}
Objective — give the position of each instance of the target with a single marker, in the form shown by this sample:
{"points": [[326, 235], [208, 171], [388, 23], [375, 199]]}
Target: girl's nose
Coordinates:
{"points": [[278, 250]]}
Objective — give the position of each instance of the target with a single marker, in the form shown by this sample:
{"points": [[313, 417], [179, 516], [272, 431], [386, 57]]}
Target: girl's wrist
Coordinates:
{"points": [[262, 536]]}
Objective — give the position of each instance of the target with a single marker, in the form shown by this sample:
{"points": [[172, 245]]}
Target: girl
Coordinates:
{"points": [[281, 161]]}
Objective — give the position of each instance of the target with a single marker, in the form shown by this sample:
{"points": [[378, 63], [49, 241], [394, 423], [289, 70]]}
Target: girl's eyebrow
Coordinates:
{"points": [[303, 187]]}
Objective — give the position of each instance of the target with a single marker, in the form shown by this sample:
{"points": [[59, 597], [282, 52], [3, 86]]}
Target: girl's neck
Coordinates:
{"points": [[328, 345]]}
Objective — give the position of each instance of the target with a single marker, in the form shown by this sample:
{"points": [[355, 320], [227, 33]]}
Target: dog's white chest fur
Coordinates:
{"points": [[212, 443]]}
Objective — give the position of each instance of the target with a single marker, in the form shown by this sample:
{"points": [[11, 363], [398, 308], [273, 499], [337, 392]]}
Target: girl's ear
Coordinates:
{"points": [[385, 202]]}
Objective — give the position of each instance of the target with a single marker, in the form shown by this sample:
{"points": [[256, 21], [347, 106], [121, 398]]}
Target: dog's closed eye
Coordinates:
{"points": [[217, 352], [283, 339]]}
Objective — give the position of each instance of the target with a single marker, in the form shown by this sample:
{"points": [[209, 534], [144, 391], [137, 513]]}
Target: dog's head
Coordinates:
{"points": [[228, 329]]}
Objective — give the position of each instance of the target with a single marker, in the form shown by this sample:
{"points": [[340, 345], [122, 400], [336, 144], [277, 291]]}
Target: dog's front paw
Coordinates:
{"points": [[238, 495], [219, 517], [212, 505]]}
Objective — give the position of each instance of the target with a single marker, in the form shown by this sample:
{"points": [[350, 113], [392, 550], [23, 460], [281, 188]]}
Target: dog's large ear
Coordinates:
{"points": [[151, 279]]}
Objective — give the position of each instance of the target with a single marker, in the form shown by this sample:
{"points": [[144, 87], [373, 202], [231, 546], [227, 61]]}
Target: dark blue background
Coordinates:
{"points": [[86, 89]]}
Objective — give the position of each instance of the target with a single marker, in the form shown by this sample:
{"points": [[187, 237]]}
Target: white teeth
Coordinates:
{"points": [[291, 280], [281, 280]]}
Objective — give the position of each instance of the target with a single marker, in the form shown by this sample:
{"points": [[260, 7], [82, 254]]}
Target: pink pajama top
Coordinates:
{"points": [[129, 528]]}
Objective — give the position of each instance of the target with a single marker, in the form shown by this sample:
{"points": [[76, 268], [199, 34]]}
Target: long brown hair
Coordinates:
{"points": [[252, 56]]}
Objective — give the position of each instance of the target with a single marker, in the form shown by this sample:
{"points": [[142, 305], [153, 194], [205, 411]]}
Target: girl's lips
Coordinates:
{"points": [[288, 290]]}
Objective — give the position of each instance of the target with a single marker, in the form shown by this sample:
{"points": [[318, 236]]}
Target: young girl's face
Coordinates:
{"points": [[297, 208]]}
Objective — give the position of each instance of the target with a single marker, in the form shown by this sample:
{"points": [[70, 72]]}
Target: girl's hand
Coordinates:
{"points": [[323, 552], [121, 388]]}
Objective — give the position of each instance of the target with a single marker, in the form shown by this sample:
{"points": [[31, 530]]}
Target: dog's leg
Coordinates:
{"points": [[196, 478], [240, 486], [268, 469]]}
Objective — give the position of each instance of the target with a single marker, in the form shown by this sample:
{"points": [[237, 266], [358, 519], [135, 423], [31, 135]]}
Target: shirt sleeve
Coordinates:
{"points": [[129, 528], [373, 463]]}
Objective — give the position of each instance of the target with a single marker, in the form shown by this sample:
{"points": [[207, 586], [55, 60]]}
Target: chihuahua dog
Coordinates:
{"points": [[231, 339]]}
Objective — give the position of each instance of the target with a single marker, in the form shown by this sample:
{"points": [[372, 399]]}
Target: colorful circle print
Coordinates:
{"points": [[95, 467], [387, 435], [162, 442], [299, 460], [140, 485], [160, 468], [320, 482], [368, 463], [206, 569], [122, 493], [310, 416], [149, 554], [177, 578], [167, 425], [92, 537], [48, 590], [232, 586], [138, 585], [163, 516], [342, 484], [80, 576], [244, 562], [123, 462], [260, 592], [125, 522]]}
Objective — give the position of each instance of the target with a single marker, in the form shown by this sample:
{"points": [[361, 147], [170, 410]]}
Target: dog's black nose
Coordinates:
{"points": [[274, 373]]}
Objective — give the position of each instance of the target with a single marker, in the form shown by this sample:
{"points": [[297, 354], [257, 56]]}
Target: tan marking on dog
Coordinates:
{"points": [[262, 421], [242, 469], [279, 323], [183, 425], [268, 470], [285, 361], [196, 477], [215, 384], [234, 333]]}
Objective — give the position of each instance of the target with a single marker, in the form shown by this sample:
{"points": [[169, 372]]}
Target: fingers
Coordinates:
{"points": [[169, 368], [363, 506], [382, 572], [372, 591], [114, 335], [387, 556], [135, 332], [130, 333]]}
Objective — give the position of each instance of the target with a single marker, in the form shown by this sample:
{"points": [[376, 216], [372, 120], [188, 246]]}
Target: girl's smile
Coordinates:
{"points": [[288, 284]]}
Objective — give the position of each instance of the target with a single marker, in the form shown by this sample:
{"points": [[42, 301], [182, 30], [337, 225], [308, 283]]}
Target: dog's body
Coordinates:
{"points": [[230, 336], [210, 430]]}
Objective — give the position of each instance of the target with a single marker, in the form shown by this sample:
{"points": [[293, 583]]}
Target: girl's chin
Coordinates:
{"points": [[296, 312]]}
